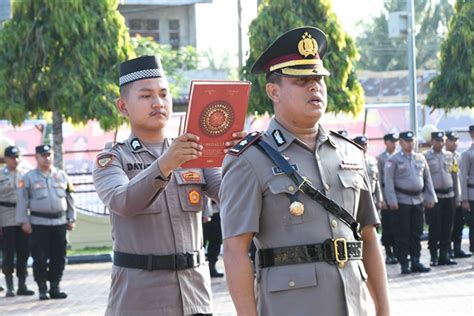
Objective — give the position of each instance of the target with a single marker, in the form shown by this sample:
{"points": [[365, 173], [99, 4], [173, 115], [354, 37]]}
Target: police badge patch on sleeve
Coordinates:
{"points": [[104, 160]]}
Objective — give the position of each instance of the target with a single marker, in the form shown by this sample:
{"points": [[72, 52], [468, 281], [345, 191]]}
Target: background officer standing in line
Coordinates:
{"points": [[372, 171], [388, 216], [155, 206], [467, 186], [300, 244], [212, 234], [408, 186], [446, 185], [452, 141], [47, 194], [14, 239]]}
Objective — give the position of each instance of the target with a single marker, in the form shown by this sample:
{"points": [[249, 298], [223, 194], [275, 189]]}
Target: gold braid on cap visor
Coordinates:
{"points": [[298, 62]]}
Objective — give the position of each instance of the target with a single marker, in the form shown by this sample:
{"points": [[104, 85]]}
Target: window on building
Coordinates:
{"points": [[145, 28], [174, 28]]}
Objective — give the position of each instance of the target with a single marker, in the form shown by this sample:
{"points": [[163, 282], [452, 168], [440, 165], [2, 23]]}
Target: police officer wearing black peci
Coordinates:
{"points": [[388, 215], [446, 185], [408, 187], [47, 194], [15, 240], [452, 142]]}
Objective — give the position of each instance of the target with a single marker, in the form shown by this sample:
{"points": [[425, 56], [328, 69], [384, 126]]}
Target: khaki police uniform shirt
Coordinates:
{"points": [[9, 182], [466, 172], [373, 173], [154, 215], [254, 199], [409, 173], [51, 193], [443, 173]]}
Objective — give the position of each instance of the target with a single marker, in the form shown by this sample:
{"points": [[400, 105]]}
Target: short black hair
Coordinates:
{"points": [[274, 77], [125, 89]]}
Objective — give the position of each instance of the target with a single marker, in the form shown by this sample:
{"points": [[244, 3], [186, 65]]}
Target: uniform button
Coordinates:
{"points": [[291, 284], [326, 187], [334, 223], [291, 188]]}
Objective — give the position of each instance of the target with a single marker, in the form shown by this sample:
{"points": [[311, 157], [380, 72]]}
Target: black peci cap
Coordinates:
{"points": [[452, 135], [140, 68], [407, 135], [41, 149], [390, 136], [439, 135], [471, 128], [12, 151], [296, 53], [360, 140]]}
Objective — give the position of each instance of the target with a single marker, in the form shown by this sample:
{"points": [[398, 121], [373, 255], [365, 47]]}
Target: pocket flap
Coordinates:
{"points": [[282, 184], [292, 277], [190, 176], [352, 180]]}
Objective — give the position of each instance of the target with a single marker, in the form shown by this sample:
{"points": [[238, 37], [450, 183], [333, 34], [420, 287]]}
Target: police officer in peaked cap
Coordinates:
{"points": [[274, 190]]}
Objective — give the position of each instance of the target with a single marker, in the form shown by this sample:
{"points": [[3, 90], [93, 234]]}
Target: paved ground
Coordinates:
{"points": [[444, 291]]}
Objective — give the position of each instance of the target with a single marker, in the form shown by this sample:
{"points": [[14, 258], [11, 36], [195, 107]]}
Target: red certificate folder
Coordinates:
{"points": [[216, 110]]}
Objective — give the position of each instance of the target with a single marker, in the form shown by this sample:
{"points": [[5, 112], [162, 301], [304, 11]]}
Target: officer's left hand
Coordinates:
{"points": [[237, 137], [70, 226], [429, 205]]}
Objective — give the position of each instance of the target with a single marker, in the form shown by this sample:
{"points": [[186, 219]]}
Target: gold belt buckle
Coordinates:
{"points": [[340, 261], [305, 180]]}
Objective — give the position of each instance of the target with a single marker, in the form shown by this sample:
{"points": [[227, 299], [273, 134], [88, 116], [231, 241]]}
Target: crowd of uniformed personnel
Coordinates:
{"points": [[433, 188]]}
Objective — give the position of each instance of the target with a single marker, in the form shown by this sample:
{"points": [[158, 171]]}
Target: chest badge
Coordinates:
{"points": [[278, 137], [191, 177], [194, 197], [296, 208]]}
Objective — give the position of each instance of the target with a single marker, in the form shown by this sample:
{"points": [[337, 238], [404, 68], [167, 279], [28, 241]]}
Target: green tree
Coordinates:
{"points": [[175, 61], [454, 85], [380, 53], [62, 56], [278, 16]]}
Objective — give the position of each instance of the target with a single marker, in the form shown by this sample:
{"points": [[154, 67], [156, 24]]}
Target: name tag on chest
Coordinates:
{"points": [[278, 171]]}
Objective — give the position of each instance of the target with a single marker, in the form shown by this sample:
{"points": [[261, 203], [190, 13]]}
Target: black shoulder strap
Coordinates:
{"points": [[305, 186]]}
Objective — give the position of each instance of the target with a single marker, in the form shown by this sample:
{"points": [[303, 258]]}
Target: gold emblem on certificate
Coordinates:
{"points": [[296, 208], [216, 118]]}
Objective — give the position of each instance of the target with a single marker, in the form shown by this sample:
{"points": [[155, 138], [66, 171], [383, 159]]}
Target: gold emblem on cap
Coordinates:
{"points": [[307, 45], [296, 208]]}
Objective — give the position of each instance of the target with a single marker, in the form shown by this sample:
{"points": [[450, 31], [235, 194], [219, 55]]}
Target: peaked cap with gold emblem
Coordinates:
{"points": [[297, 53]]}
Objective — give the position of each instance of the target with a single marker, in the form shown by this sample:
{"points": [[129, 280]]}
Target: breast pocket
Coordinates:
{"points": [[352, 182], [190, 197], [60, 189], [420, 167], [287, 278], [39, 190], [433, 164], [403, 169], [281, 188]]}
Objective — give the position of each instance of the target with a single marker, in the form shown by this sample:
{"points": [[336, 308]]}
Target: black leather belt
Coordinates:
{"points": [[332, 250], [470, 185], [444, 191], [411, 193], [178, 261], [8, 204], [48, 215]]}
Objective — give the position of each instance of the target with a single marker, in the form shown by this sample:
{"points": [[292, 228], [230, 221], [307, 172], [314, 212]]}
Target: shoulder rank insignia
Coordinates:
{"points": [[245, 143], [333, 133], [104, 160]]}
